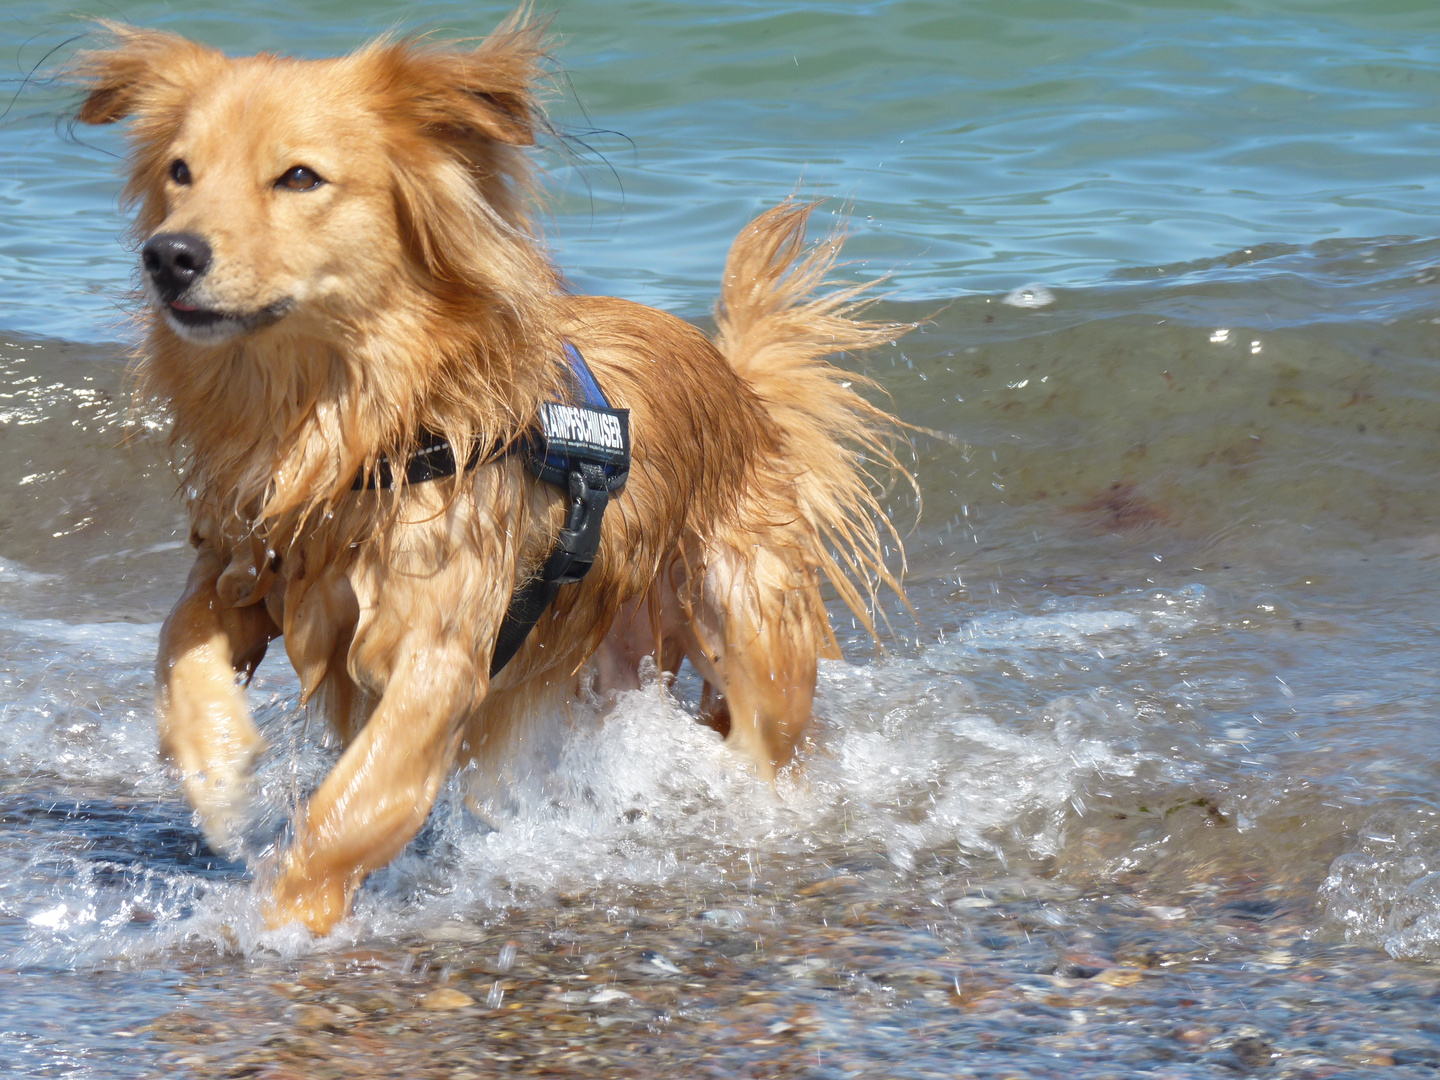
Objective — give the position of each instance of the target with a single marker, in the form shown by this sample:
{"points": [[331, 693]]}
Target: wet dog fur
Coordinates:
{"points": [[368, 267]]}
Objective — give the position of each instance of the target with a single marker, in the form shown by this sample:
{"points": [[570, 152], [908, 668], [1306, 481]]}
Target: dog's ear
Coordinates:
{"points": [[138, 68], [505, 117], [486, 92]]}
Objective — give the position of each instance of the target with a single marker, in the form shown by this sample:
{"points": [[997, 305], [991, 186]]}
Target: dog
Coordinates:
{"points": [[343, 284]]}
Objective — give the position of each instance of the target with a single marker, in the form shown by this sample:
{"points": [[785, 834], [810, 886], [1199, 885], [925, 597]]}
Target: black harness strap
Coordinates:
{"points": [[581, 445], [570, 561], [432, 460]]}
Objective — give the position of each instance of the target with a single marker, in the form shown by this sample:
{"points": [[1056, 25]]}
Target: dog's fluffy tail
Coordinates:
{"points": [[776, 328]]}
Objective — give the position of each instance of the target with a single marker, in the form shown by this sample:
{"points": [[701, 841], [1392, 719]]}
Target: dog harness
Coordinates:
{"points": [[581, 446]]}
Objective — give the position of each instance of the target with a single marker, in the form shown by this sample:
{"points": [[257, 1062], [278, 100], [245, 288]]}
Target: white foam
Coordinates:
{"points": [[55, 918], [1387, 894], [77, 700], [1159, 614], [903, 757]]}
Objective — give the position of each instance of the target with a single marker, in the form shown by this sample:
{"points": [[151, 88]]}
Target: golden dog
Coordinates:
{"points": [[340, 263]]}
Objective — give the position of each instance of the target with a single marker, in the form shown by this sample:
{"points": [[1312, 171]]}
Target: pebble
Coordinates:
{"points": [[827, 885], [1370, 1059], [972, 903], [1253, 1052], [658, 961], [608, 995], [463, 933], [807, 968], [1118, 976], [1167, 913], [833, 983], [725, 918], [446, 999], [313, 1018]]}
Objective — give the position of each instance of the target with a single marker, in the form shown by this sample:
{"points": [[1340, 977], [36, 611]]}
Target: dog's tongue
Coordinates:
{"points": [[180, 305]]}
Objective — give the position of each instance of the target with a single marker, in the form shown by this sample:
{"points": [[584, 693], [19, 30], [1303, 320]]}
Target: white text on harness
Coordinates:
{"points": [[580, 426]]}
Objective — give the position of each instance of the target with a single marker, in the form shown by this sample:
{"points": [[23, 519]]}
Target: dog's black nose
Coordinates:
{"points": [[174, 260]]}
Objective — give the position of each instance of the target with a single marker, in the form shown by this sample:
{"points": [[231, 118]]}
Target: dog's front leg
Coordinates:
{"points": [[382, 788], [204, 722]]}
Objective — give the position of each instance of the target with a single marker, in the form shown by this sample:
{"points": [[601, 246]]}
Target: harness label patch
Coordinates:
{"points": [[582, 431]]}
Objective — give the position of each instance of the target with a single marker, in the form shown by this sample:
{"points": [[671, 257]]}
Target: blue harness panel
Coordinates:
{"points": [[584, 431], [580, 445]]}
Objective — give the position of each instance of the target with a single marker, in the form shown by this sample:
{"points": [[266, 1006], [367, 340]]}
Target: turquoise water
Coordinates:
{"points": [[984, 145], [1168, 711]]}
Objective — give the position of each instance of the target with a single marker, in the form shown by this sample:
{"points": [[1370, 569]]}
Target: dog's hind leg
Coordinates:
{"points": [[713, 712], [759, 627]]}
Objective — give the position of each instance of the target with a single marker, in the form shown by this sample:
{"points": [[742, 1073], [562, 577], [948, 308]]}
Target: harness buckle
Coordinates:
{"points": [[579, 540]]}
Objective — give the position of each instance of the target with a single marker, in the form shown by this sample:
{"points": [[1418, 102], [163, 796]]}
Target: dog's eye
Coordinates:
{"points": [[300, 179], [180, 172]]}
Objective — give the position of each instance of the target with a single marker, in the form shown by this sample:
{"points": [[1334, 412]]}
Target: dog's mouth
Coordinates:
{"points": [[208, 325], [195, 318]]}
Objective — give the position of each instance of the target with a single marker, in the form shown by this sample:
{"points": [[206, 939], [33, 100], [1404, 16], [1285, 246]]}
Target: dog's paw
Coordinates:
{"points": [[317, 903], [223, 808]]}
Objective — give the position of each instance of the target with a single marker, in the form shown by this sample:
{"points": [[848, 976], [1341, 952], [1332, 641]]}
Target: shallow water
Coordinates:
{"points": [[1150, 785]]}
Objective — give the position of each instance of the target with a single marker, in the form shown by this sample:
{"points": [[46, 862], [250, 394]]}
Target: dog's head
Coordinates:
{"points": [[306, 192]]}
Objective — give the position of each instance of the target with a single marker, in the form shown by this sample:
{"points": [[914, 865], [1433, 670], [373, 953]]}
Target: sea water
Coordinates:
{"points": [[1164, 711]]}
